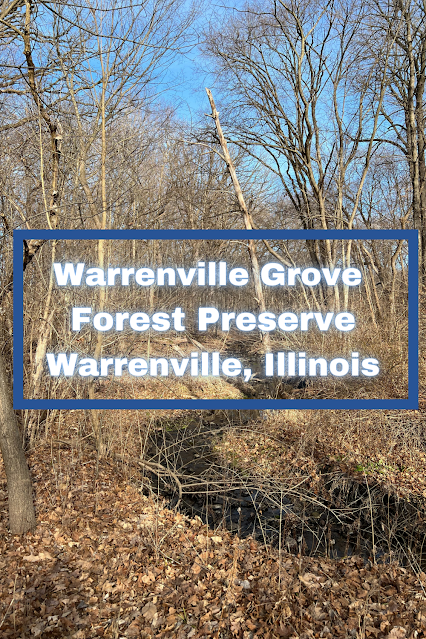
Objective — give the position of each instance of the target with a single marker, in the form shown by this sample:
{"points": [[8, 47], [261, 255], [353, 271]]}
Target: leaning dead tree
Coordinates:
{"points": [[247, 218]]}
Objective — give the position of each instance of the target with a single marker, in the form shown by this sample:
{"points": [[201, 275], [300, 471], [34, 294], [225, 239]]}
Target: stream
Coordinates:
{"points": [[221, 495]]}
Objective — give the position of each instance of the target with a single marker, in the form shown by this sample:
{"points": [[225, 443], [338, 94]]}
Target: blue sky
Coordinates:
{"points": [[188, 82], [189, 75]]}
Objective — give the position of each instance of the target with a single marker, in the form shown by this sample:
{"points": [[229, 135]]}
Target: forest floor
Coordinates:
{"points": [[107, 560]]}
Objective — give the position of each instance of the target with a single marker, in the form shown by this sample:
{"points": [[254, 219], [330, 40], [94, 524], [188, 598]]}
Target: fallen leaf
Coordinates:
{"points": [[149, 611], [40, 557], [397, 633]]}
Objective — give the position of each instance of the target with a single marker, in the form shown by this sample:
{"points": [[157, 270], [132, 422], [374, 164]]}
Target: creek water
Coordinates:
{"points": [[222, 496]]}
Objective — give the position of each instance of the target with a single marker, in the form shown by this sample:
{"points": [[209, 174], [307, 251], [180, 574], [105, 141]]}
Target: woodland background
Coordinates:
{"points": [[315, 121]]}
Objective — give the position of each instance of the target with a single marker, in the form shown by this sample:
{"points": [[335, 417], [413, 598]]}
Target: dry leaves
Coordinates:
{"points": [[97, 567]]}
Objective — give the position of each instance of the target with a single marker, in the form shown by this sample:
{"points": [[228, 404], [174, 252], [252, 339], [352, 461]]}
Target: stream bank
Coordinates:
{"points": [[347, 517]]}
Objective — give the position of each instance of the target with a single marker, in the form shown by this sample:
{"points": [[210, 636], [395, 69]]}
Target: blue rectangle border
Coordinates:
{"points": [[19, 403]]}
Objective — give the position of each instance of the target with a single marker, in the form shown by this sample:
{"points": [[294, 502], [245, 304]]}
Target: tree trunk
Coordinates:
{"points": [[248, 222], [21, 506]]}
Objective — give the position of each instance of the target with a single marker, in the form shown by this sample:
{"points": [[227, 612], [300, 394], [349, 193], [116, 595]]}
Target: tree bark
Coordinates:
{"points": [[21, 507], [248, 222]]}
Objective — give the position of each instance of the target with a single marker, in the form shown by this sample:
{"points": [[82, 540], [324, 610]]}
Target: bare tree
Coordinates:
{"points": [[21, 508], [88, 65], [19, 486], [247, 219], [403, 22], [128, 50], [291, 73]]}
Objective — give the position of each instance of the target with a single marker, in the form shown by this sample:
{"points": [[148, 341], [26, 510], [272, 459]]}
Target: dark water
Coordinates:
{"points": [[223, 497]]}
